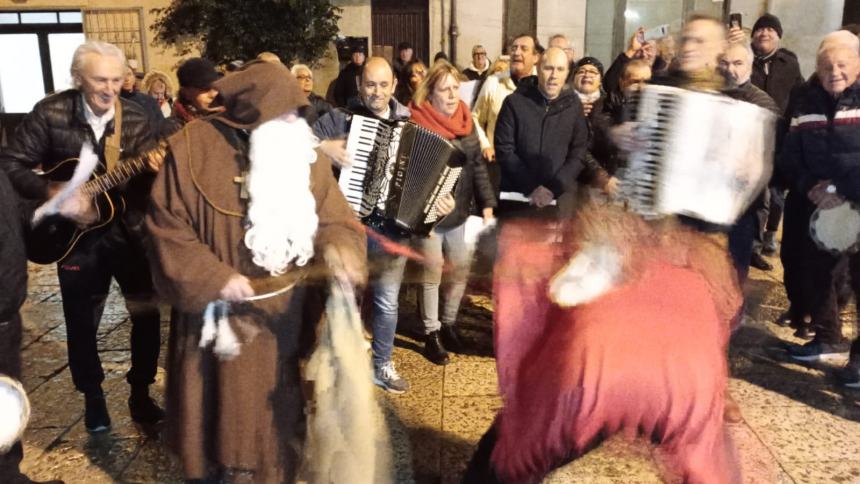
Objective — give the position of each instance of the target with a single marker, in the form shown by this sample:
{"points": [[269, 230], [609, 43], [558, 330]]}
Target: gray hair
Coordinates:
{"points": [[300, 67], [746, 47], [92, 47]]}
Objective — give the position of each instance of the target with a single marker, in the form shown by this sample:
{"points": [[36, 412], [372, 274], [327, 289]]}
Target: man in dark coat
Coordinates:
{"points": [[776, 72], [53, 132], [541, 140], [346, 84], [131, 92], [736, 66], [317, 106], [819, 159], [13, 291], [220, 236]]}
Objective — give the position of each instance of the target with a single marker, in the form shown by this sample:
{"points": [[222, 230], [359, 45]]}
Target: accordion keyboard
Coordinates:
{"points": [[359, 146]]}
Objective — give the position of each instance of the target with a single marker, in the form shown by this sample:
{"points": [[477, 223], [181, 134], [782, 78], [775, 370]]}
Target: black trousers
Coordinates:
{"points": [[10, 365], [814, 279], [85, 277]]}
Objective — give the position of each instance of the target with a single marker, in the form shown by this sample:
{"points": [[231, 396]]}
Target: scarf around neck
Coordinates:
{"points": [[426, 116], [588, 98]]}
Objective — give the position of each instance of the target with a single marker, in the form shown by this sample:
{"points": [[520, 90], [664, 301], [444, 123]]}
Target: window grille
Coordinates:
{"points": [[122, 27]]}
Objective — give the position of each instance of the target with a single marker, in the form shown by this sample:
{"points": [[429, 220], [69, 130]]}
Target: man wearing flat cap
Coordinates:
{"points": [[241, 215], [196, 94]]}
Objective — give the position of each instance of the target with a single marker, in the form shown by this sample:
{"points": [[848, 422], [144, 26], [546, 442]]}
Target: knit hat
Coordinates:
{"points": [[197, 72], [768, 20], [590, 61]]}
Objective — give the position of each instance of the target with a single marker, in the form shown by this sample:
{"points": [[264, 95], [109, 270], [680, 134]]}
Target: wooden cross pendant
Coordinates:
{"points": [[242, 181]]}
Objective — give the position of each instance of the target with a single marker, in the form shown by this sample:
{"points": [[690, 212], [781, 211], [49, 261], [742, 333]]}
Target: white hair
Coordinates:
{"points": [[840, 38], [300, 67], [282, 213], [79, 59]]}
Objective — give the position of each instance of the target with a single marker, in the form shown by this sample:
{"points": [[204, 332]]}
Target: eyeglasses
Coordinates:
{"points": [[584, 71], [478, 53]]}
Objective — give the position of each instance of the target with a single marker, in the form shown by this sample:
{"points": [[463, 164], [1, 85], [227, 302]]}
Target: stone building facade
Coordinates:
{"points": [[596, 27]]}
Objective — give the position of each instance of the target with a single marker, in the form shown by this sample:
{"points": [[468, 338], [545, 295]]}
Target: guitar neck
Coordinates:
{"points": [[123, 172]]}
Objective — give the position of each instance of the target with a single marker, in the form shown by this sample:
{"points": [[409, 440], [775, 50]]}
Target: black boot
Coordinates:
{"points": [[433, 349], [758, 261], [143, 409], [451, 338], [96, 418]]}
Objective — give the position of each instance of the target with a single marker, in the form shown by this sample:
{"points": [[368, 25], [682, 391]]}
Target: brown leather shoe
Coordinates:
{"points": [[731, 410]]}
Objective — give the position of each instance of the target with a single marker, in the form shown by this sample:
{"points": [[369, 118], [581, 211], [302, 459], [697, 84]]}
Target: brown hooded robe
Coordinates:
{"points": [[245, 414]]}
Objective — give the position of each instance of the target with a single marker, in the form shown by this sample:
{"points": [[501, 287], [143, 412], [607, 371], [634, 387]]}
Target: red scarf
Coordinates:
{"points": [[460, 124]]}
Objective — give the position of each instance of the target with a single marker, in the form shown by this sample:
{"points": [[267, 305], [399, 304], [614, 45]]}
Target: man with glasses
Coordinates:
{"points": [[318, 106], [480, 66]]}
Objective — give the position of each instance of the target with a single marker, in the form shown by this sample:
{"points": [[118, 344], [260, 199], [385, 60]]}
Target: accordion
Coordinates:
{"points": [[708, 156], [399, 170]]}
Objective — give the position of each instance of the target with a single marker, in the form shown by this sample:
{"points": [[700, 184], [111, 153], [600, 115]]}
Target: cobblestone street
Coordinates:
{"points": [[798, 427]]}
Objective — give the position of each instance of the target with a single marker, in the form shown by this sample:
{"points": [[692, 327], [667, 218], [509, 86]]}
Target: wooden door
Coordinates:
{"points": [[396, 21]]}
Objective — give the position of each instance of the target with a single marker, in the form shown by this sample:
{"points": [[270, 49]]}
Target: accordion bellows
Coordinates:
{"points": [[708, 156]]}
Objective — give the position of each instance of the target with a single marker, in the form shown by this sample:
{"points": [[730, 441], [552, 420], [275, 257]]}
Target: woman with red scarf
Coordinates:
{"points": [[436, 105]]}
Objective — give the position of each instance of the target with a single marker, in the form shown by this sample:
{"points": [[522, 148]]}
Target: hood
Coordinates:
{"points": [[257, 93]]}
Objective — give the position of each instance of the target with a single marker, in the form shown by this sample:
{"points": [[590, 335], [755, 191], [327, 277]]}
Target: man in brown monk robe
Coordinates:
{"points": [[244, 207]]}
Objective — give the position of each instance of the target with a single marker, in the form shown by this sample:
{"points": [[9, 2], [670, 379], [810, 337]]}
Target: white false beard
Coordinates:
{"points": [[282, 213]]}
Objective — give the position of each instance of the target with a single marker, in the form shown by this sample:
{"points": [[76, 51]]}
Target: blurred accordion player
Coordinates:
{"points": [[707, 156], [399, 170]]}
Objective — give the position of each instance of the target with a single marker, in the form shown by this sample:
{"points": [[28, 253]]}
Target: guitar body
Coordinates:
{"points": [[54, 237]]}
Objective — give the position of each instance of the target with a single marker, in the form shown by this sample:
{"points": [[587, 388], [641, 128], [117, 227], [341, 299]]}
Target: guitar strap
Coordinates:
{"points": [[113, 143]]}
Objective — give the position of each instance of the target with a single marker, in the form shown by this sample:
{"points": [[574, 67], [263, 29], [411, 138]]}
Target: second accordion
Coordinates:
{"points": [[399, 170], [707, 156]]}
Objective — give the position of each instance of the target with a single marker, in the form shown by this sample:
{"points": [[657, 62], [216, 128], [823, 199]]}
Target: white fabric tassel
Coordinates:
{"points": [[87, 162], [216, 328]]}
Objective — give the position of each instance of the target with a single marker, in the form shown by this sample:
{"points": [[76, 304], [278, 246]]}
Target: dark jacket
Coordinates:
{"points": [[540, 142], [317, 108], [150, 107], [13, 256], [601, 160], [823, 141], [55, 130], [473, 185], [335, 124], [777, 75], [346, 84]]}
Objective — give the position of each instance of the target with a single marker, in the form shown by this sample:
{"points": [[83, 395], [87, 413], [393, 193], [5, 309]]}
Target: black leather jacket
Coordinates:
{"points": [[56, 129]]}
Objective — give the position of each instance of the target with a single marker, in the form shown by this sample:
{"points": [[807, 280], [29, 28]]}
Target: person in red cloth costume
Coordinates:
{"points": [[620, 328], [436, 105]]}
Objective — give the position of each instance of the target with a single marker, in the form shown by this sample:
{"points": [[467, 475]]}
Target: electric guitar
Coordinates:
{"points": [[54, 236]]}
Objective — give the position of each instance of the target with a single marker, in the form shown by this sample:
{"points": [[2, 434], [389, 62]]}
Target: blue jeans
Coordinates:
{"points": [[447, 244], [386, 277]]}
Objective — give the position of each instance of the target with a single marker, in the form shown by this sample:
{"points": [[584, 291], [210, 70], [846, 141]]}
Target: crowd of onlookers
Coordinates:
{"points": [[539, 123]]}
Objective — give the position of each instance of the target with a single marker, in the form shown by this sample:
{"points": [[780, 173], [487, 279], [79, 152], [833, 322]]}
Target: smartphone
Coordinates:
{"points": [[735, 20], [657, 32]]}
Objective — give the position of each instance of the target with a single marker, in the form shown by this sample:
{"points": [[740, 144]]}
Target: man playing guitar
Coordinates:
{"points": [[117, 129]]}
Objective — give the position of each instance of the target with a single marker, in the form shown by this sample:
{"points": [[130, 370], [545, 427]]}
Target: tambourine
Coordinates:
{"points": [[836, 230], [14, 412]]}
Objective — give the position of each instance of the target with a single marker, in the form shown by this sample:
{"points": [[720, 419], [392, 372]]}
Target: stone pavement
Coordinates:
{"points": [[798, 427]]}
